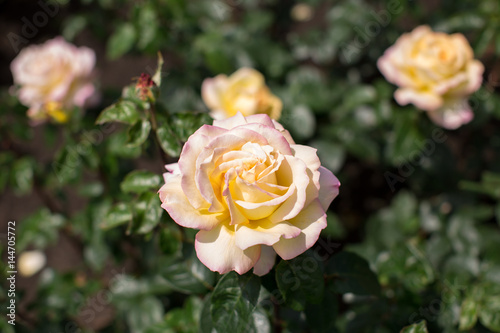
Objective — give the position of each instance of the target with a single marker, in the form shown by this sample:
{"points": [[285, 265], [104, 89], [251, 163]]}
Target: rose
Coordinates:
{"points": [[251, 191], [52, 78], [434, 71], [244, 91]]}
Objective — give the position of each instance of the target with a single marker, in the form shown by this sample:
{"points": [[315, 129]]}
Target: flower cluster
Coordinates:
{"points": [[434, 71], [251, 191], [52, 78]]}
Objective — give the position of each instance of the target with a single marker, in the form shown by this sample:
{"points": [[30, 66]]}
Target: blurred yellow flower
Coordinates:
{"points": [[434, 71], [244, 91]]}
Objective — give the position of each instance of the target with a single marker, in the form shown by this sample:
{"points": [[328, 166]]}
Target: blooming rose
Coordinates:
{"points": [[434, 71], [251, 191], [52, 78], [244, 91]]}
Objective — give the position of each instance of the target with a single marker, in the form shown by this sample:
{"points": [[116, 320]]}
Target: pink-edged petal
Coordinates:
{"points": [[187, 162], [311, 221], [263, 232], [211, 89], [230, 123], [453, 114], [182, 212], [266, 261], [329, 187], [83, 94], [216, 249], [311, 159], [260, 118], [284, 132], [475, 72], [422, 99], [173, 171], [308, 155], [274, 137]]}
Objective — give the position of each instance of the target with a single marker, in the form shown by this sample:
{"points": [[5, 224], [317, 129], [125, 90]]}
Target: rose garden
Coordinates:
{"points": [[250, 166]]}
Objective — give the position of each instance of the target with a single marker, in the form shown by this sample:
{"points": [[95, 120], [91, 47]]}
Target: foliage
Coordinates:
{"points": [[412, 242]]}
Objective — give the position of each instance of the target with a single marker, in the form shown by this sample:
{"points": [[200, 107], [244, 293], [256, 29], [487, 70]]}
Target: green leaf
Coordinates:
{"points": [[121, 40], [120, 214], [22, 175], [145, 313], [206, 322], [117, 146], [147, 213], [233, 302], [489, 314], [148, 25], [170, 239], [183, 319], [138, 133], [122, 112], [485, 39], [73, 26], [408, 263], [184, 124], [168, 141], [139, 181], [300, 281], [420, 327], [187, 275], [468, 314], [352, 274], [321, 317], [40, 230]]}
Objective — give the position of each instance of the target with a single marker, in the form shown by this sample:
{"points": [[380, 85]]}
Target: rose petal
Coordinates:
{"points": [[181, 210], [263, 232], [423, 100], [292, 172], [311, 221], [265, 262], [216, 249], [187, 162], [211, 90], [453, 114], [329, 187]]}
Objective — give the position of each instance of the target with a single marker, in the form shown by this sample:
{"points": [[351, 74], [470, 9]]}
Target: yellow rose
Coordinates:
{"points": [[434, 71], [244, 91], [251, 191]]}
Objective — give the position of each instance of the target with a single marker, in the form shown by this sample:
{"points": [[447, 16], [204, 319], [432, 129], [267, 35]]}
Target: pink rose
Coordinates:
{"points": [[53, 77], [434, 71], [251, 191]]}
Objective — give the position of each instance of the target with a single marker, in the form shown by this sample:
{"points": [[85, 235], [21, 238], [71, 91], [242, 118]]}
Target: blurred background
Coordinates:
{"points": [[426, 220]]}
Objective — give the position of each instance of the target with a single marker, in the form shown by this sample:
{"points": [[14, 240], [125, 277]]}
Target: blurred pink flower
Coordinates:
{"points": [[52, 78], [434, 71], [251, 191]]}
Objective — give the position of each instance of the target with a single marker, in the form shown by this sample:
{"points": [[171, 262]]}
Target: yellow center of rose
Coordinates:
{"points": [[55, 111]]}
